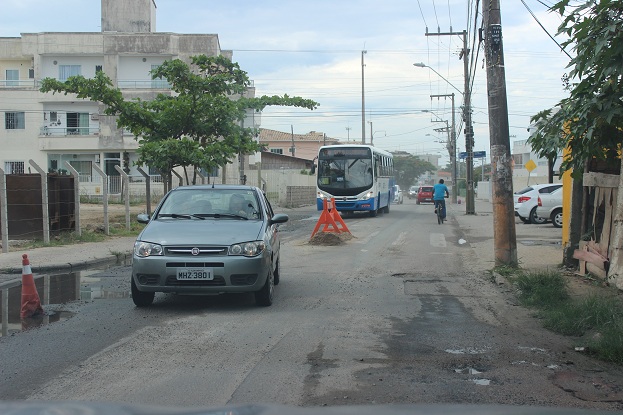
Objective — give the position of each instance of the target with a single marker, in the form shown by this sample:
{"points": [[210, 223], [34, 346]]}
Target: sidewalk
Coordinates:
{"points": [[538, 246], [66, 258]]}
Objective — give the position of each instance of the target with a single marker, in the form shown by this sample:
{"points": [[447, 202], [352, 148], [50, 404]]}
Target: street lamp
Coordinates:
{"points": [[423, 65]]}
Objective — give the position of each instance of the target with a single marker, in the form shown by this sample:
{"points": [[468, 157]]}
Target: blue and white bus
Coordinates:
{"points": [[359, 177]]}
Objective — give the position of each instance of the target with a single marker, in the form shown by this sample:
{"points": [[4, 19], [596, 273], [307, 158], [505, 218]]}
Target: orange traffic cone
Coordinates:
{"points": [[31, 304]]}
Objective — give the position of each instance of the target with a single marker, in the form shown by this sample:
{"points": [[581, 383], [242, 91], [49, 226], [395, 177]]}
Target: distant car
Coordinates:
{"points": [[208, 240], [398, 197], [549, 205], [413, 192], [425, 194], [526, 201]]}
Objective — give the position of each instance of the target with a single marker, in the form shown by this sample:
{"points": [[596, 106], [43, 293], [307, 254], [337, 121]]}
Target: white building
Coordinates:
{"points": [[53, 128], [522, 176]]}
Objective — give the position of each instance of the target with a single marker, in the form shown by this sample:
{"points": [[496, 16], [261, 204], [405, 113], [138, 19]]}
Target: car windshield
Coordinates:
{"points": [[217, 203], [524, 190]]}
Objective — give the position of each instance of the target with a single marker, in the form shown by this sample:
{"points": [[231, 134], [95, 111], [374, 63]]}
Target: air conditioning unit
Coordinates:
{"points": [[95, 117]]}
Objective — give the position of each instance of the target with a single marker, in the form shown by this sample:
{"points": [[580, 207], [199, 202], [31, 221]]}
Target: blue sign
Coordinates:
{"points": [[477, 155]]}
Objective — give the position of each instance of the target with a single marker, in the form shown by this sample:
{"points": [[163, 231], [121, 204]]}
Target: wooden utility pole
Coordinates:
{"points": [[505, 240]]}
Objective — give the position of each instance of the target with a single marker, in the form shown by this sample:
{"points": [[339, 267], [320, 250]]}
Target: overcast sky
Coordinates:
{"points": [[314, 50]]}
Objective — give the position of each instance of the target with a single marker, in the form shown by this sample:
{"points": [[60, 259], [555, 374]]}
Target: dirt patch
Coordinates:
{"points": [[92, 215], [330, 238]]}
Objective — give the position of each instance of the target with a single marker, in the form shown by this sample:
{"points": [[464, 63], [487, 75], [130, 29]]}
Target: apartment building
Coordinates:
{"points": [[54, 128]]}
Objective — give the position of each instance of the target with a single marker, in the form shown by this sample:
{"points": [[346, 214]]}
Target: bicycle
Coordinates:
{"points": [[439, 209]]}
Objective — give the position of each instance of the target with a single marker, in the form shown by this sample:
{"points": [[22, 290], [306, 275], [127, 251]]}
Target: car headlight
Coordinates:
{"points": [[249, 249], [145, 249], [322, 195], [368, 195]]}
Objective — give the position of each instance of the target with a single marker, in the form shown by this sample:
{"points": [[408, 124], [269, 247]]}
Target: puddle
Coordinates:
{"points": [[468, 370], [529, 242], [465, 351], [63, 289], [483, 382]]}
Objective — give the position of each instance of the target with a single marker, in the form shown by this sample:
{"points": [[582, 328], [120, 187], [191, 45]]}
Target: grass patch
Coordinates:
{"points": [[596, 319], [66, 238]]}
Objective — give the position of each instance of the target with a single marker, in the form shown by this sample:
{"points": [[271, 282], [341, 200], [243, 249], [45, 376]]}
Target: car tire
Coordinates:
{"points": [[264, 297], [524, 220], [534, 219], [277, 273], [557, 218], [141, 298], [386, 208]]}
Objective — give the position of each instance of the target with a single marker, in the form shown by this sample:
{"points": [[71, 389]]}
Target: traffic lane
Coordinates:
{"points": [[322, 303]]}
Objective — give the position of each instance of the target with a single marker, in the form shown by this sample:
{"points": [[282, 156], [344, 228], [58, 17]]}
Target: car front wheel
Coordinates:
{"points": [[264, 297], [537, 220], [557, 218], [140, 298]]}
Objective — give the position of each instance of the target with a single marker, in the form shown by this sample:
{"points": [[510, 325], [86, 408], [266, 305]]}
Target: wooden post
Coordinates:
{"points": [[44, 201], [76, 176]]}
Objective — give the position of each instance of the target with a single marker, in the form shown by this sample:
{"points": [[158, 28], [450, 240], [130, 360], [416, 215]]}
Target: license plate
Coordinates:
{"points": [[192, 274]]}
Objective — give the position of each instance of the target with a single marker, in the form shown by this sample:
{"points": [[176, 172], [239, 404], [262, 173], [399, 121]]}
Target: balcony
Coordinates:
{"points": [[68, 131], [18, 83], [143, 84]]}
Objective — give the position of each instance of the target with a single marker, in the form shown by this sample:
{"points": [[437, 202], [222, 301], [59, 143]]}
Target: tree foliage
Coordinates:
{"points": [[408, 169], [199, 124], [590, 120]]}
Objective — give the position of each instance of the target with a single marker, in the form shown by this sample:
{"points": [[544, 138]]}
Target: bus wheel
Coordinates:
{"points": [[374, 213], [386, 208]]}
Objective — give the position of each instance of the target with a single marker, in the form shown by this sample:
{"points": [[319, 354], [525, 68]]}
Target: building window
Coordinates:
{"points": [[14, 121], [12, 77], [276, 150], [14, 167], [98, 68], [65, 71]]}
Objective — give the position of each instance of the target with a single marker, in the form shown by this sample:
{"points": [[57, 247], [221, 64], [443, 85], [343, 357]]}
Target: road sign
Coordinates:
{"points": [[477, 155], [530, 165]]}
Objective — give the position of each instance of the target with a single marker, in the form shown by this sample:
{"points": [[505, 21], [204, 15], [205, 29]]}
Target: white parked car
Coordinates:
{"points": [[549, 205], [526, 201], [398, 197]]}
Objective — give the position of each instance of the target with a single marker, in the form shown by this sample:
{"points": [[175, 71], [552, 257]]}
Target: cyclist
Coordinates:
{"points": [[440, 192]]}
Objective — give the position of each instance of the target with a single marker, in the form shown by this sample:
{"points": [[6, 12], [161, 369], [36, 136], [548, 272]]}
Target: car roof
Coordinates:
{"points": [[216, 186]]}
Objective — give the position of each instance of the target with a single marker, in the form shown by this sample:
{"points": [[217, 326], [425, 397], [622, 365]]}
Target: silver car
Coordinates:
{"points": [[208, 239]]}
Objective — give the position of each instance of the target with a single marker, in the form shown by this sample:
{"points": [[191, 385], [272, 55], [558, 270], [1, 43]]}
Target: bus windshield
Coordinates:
{"points": [[342, 169]]}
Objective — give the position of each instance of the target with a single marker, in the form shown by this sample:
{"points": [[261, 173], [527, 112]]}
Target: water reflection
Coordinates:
{"points": [[58, 289]]}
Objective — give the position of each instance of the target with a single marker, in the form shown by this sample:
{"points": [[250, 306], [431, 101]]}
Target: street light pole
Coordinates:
{"points": [[363, 101], [455, 186], [467, 117]]}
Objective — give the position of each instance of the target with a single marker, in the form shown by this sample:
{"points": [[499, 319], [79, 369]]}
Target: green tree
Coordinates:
{"points": [[199, 124], [408, 169], [589, 120]]}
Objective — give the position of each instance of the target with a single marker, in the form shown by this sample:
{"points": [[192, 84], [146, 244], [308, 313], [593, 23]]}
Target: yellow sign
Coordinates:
{"points": [[530, 165]]}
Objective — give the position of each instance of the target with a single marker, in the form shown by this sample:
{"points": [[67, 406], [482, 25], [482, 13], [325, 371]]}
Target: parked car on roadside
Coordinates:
{"points": [[526, 201], [413, 192], [398, 196], [425, 194], [208, 239], [549, 205]]}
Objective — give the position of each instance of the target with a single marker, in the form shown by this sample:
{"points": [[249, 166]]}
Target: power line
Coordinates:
{"points": [[545, 30]]}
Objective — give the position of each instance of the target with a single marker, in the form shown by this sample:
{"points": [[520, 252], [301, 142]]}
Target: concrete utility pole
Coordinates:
{"points": [[363, 101], [452, 148], [467, 118], [505, 240]]}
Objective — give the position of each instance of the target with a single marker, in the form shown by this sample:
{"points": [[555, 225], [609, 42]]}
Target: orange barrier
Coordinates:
{"points": [[31, 304], [330, 218]]}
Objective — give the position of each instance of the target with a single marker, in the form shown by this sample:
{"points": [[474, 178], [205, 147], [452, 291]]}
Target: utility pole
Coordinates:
{"points": [[363, 101], [293, 148], [348, 132], [452, 148], [504, 237], [371, 134], [467, 118]]}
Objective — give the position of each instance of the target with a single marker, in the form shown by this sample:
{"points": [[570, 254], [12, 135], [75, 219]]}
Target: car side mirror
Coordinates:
{"points": [[313, 169], [278, 218], [142, 218]]}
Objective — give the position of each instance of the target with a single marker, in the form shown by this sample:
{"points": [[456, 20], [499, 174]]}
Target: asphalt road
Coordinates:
{"points": [[399, 314]]}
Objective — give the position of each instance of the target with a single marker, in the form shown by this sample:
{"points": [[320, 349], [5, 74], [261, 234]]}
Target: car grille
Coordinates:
{"points": [[195, 264], [174, 282], [203, 250]]}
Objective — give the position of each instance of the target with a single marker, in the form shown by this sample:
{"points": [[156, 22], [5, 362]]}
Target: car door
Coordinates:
{"points": [[272, 231]]}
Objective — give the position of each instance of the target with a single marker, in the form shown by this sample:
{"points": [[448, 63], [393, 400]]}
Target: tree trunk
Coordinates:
{"points": [[615, 273]]}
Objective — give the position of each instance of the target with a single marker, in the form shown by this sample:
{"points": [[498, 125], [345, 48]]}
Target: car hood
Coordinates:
{"points": [[210, 231]]}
